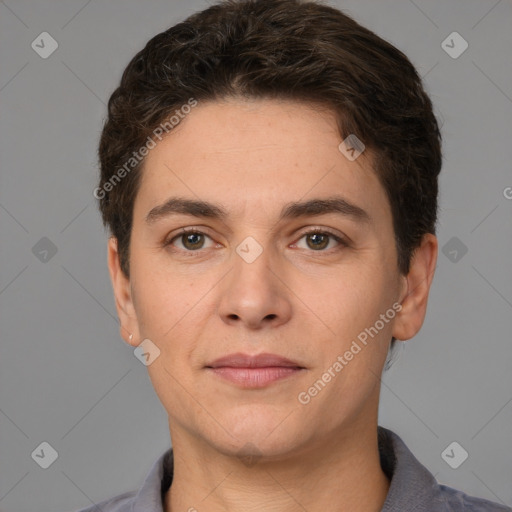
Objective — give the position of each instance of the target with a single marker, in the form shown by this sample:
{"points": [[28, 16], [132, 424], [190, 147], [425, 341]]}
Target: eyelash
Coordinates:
{"points": [[316, 231]]}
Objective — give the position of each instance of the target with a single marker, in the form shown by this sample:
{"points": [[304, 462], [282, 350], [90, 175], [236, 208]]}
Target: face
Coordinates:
{"points": [[291, 258]]}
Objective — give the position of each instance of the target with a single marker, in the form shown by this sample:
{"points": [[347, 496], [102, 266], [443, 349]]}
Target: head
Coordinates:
{"points": [[237, 115]]}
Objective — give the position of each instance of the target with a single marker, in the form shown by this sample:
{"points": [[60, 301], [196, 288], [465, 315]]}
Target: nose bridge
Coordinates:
{"points": [[252, 263], [252, 269], [253, 294]]}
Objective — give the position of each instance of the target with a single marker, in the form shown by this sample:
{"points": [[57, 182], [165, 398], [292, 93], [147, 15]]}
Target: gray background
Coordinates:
{"points": [[67, 378]]}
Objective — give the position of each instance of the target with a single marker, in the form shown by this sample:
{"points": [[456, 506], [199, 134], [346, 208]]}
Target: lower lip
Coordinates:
{"points": [[255, 377]]}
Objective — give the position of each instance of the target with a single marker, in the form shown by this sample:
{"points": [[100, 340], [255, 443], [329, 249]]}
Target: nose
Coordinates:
{"points": [[255, 295]]}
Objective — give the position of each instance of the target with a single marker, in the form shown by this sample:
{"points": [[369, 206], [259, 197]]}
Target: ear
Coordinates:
{"points": [[416, 289], [123, 296]]}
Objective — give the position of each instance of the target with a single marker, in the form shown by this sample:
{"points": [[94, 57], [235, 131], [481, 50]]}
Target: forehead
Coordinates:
{"points": [[253, 157]]}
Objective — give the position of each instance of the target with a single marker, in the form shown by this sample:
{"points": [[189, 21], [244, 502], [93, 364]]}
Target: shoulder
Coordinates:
{"points": [[456, 501], [121, 503], [149, 497], [413, 487]]}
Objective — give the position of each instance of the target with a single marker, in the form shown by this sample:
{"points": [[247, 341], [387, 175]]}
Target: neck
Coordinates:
{"points": [[342, 476]]}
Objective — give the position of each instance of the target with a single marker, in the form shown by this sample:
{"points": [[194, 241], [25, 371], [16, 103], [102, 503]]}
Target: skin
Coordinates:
{"points": [[295, 300]]}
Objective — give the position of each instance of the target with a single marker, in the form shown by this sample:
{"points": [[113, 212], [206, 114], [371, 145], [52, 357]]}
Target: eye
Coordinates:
{"points": [[319, 240], [190, 239]]}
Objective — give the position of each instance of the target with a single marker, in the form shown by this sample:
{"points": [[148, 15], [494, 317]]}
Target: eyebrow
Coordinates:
{"points": [[312, 207]]}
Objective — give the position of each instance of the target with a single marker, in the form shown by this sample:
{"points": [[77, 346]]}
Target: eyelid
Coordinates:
{"points": [[341, 239]]}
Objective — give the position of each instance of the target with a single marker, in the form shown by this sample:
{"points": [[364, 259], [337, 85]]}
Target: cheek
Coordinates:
{"points": [[162, 298], [169, 313], [349, 300], [351, 306], [172, 310]]}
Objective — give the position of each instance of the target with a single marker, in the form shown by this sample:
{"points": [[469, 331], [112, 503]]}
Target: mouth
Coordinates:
{"points": [[256, 371]]}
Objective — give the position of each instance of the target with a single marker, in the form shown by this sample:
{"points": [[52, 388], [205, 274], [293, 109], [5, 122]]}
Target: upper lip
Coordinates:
{"points": [[240, 360]]}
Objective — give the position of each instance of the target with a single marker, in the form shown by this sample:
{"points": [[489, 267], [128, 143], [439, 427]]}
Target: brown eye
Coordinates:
{"points": [[320, 241], [192, 241], [189, 241], [317, 241]]}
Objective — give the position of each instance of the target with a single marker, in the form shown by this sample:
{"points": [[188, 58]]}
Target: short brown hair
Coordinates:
{"points": [[291, 49]]}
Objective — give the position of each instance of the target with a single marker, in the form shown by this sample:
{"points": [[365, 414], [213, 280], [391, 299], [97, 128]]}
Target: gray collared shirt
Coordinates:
{"points": [[413, 487]]}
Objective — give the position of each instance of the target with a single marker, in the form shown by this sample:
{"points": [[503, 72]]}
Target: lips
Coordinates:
{"points": [[258, 361], [257, 371]]}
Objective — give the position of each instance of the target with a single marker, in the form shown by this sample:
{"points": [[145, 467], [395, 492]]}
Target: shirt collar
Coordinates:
{"points": [[411, 483], [412, 486]]}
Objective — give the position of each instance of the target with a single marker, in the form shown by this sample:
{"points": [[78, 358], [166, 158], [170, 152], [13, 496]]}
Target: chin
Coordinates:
{"points": [[259, 432], [251, 450]]}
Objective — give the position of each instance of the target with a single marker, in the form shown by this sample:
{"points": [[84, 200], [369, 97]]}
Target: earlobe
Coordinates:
{"points": [[122, 295], [418, 281]]}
